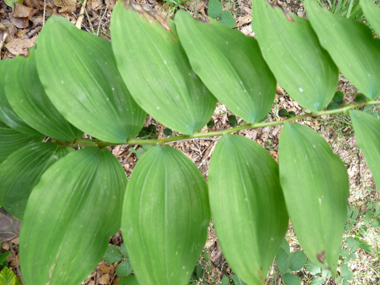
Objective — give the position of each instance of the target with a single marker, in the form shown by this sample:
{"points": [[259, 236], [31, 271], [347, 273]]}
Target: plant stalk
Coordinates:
{"points": [[133, 141]]}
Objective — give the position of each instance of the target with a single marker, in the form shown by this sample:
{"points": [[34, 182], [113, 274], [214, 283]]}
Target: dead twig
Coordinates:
{"points": [[100, 21], [81, 13], [5, 36], [14, 258], [44, 14], [89, 21]]}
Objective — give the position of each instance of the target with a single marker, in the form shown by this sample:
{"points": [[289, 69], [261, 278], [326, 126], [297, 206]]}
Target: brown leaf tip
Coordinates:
{"points": [[275, 3], [321, 256], [150, 15]]}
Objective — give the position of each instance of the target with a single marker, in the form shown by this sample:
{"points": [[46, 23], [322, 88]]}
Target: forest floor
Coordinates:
{"points": [[18, 32]]}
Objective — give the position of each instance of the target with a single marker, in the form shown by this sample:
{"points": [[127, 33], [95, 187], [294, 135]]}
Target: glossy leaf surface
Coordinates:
{"points": [[315, 184], [28, 99], [22, 170], [11, 140], [230, 64], [292, 50], [165, 217], [79, 74], [351, 45], [372, 13], [247, 206], [70, 216], [156, 69], [7, 115], [367, 131]]}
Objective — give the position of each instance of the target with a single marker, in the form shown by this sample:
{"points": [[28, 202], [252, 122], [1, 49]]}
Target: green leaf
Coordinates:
{"points": [[308, 163], [351, 46], [302, 67], [367, 130], [227, 19], [156, 70], [124, 268], [225, 280], [7, 277], [237, 280], [298, 260], [365, 246], [346, 271], [317, 281], [285, 246], [371, 11], [368, 217], [250, 221], [230, 64], [11, 140], [112, 254], [214, 8], [22, 170], [129, 280], [123, 250], [352, 244], [11, 3], [7, 115], [312, 268], [72, 212], [3, 256], [283, 260], [344, 252], [291, 279], [28, 99], [338, 97], [80, 77], [165, 217]]}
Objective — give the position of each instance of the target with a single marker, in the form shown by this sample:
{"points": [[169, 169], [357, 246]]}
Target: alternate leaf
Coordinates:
{"points": [[230, 64], [70, 215], [165, 217], [315, 185], [301, 66], [298, 260], [351, 46], [367, 131], [79, 74], [11, 140], [28, 99], [124, 268], [291, 279], [7, 115], [22, 170], [156, 69], [112, 254], [283, 260], [7, 277], [214, 8], [129, 280], [372, 13], [227, 19], [247, 206]]}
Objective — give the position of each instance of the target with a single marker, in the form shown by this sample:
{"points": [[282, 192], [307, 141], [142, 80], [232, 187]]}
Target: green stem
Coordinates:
{"points": [[80, 142]]}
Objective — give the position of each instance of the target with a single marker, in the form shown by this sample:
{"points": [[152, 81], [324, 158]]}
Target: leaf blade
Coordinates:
{"points": [[308, 163], [84, 83], [83, 190], [256, 201], [351, 46], [230, 64], [158, 75], [301, 54], [166, 229]]}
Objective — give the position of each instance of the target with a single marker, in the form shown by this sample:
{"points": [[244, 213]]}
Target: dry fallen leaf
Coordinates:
{"points": [[105, 279], [22, 11], [63, 3], [20, 23], [20, 46]]}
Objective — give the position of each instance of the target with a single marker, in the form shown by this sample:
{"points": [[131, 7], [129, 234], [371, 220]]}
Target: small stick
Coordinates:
{"points": [[44, 14], [81, 13], [14, 257], [88, 18], [5, 36], [100, 21]]}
